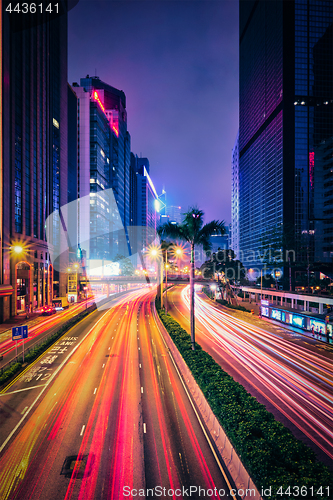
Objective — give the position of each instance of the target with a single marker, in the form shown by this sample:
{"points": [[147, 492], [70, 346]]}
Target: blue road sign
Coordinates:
{"points": [[25, 331], [16, 332]]}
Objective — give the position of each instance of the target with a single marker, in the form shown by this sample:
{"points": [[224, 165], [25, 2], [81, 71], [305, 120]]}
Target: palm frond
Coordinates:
{"points": [[209, 229]]}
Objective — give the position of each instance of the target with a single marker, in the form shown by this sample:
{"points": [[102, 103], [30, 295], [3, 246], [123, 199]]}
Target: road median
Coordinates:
{"points": [[255, 447]]}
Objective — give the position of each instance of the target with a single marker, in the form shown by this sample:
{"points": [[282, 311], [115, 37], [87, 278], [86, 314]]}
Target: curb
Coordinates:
{"points": [[227, 452]]}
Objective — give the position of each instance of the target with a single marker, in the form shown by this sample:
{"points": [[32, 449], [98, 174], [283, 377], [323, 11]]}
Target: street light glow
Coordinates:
{"points": [[18, 249]]}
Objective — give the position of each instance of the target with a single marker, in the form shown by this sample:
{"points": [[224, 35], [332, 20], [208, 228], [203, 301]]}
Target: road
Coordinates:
{"points": [[292, 376], [101, 411]]}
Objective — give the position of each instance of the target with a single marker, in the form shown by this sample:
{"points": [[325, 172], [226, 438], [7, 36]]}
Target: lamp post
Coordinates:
{"points": [[156, 254], [85, 288]]}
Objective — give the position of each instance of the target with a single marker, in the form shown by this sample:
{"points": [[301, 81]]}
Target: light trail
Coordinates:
{"points": [[99, 422], [296, 380]]}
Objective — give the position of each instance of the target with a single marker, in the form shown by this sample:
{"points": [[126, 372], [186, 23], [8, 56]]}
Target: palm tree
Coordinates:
{"points": [[193, 231]]}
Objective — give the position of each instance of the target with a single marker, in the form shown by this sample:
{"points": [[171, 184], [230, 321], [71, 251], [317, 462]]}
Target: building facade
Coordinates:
{"points": [[174, 213], [33, 157], [104, 170], [285, 131], [234, 232], [147, 216]]}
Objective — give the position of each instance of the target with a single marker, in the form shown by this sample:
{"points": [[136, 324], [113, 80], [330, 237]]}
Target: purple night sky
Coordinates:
{"points": [[177, 62]]}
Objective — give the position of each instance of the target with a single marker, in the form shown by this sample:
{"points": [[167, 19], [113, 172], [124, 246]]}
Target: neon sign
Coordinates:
{"points": [[311, 167], [96, 97], [113, 122]]}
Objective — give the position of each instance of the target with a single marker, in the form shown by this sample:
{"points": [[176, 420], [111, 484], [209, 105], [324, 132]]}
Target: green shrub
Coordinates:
{"points": [[36, 351], [269, 451]]}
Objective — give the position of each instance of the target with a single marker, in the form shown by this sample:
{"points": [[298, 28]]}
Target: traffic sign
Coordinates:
{"points": [[25, 331], [16, 332]]}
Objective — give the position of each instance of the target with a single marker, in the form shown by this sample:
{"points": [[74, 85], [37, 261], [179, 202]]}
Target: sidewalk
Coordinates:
{"points": [[20, 319]]}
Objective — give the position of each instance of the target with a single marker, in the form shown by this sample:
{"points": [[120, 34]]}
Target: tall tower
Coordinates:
{"points": [[234, 243], [285, 129]]}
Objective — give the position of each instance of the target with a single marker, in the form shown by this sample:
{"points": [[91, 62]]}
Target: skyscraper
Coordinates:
{"points": [[174, 213], [235, 198], [146, 202], [33, 156], [114, 103], [285, 130]]}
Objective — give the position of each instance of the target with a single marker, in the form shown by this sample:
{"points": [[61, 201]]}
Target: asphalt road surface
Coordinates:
{"points": [[102, 413]]}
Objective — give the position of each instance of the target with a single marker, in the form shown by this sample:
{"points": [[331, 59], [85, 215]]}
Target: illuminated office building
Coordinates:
{"points": [[285, 129], [33, 156]]}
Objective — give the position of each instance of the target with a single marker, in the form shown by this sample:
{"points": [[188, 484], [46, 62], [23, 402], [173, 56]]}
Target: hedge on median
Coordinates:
{"points": [[269, 451], [36, 351]]}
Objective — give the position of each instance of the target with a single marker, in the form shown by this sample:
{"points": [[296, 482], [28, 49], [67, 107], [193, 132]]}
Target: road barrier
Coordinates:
{"points": [[227, 452]]}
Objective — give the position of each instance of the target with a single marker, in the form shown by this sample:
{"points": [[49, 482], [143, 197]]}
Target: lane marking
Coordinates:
{"points": [[108, 348], [144, 428], [95, 390], [82, 430], [141, 390], [55, 373], [139, 365], [20, 390], [192, 404], [103, 365], [23, 411], [139, 348], [52, 408]]}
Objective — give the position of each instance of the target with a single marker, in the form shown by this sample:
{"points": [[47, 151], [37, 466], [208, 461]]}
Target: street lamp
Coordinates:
{"points": [[155, 253], [17, 249], [179, 251], [86, 290]]}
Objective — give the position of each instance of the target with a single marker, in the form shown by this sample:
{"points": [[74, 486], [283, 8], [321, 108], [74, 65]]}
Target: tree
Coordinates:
{"points": [[195, 232], [223, 261]]}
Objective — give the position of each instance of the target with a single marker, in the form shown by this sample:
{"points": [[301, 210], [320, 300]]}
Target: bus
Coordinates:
{"points": [[313, 325]]}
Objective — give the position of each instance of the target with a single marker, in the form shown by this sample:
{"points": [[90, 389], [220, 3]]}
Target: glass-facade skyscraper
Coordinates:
{"points": [[285, 130], [33, 156]]}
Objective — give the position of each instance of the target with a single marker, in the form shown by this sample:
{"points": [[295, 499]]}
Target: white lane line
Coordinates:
{"points": [[95, 390], [140, 365], [20, 390], [55, 373], [194, 408], [144, 428], [24, 410], [82, 430], [109, 348], [103, 365], [52, 407], [139, 348], [141, 390]]}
